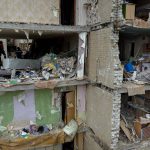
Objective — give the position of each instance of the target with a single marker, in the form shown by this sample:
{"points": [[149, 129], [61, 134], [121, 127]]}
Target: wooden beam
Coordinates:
{"points": [[39, 27]]}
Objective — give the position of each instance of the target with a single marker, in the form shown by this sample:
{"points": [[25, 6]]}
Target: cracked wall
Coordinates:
{"points": [[103, 114]]}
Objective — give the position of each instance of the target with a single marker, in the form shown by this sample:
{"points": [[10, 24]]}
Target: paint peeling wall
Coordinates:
{"points": [[19, 108], [30, 11]]}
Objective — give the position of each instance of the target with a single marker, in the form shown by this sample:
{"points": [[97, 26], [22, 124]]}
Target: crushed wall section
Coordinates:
{"points": [[116, 14]]}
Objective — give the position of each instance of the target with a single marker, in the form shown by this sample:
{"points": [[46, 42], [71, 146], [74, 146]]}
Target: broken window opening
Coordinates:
{"points": [[135, 56], [47, 57], [67, 12]]}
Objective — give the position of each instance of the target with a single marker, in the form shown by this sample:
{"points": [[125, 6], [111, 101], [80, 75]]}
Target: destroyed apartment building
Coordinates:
{"points": [[74, 74]]}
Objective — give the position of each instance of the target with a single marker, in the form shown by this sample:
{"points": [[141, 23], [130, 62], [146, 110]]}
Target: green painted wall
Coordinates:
{"points": [[43, 104], [6, 107], [43, 100]]}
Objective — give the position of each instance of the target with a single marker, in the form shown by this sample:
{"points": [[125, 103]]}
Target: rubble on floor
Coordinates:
{"points": [[135, 120], [55, 67], [137, 71], [15, 138], [52, 67]]}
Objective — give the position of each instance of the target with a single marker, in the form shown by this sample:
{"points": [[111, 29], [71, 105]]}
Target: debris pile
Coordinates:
{"points": [[55, 67], [52, 67], [137, 71], [35, 130], [135, 129], [135, 119]]}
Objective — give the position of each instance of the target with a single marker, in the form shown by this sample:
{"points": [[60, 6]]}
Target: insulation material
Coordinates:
{"points": [[30, 11]]}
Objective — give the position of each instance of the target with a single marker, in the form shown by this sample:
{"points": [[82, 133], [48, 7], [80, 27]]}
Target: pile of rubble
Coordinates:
{"points": [[137, 71], [51, 67], [55, 67]]}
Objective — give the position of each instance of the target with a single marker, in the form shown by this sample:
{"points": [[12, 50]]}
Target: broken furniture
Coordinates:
{"points": [[129, 11], [142, 128]]}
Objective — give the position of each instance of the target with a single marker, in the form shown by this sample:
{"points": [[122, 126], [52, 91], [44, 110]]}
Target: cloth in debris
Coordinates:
{"points": [[143, 76], [56, 67], [33, 141]]}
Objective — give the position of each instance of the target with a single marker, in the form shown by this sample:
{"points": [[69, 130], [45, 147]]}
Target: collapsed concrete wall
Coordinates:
{"points": [[103, 115], [99, 11], [104, 69]]}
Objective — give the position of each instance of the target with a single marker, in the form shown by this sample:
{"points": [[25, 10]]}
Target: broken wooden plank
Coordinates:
{"points": [[125, 130], [80, 140]]}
